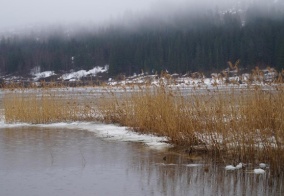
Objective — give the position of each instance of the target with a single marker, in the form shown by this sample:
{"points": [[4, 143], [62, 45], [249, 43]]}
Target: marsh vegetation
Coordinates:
{"points": [[239, 124]]}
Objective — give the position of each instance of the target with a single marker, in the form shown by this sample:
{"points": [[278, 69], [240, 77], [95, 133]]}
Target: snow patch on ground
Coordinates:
{"points": [[44, 74], [74, 76]]}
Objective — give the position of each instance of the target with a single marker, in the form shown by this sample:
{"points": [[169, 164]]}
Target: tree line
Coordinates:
{"points": [[204, 43]]}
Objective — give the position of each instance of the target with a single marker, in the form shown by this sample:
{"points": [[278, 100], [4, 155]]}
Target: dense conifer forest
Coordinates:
{"points": [[188, 42]]}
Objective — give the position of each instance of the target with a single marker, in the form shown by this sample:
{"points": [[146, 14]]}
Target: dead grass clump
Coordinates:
{"points": [[154, 110], [245, 123], [43, 106]]}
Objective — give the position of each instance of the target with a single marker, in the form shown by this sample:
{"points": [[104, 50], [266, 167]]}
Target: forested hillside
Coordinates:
{"points": [[186, 43]]}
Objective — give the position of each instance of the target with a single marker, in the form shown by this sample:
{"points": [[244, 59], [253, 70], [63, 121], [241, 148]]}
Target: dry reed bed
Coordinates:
{"points": [[247, 124], [243, 124], [40, 106]]}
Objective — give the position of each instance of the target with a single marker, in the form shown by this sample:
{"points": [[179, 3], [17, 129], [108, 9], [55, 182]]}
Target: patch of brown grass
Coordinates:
{"points": [[44, 106], [245, 123]]}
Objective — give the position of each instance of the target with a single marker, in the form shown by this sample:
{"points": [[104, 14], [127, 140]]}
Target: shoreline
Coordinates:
{"points": [[231, 122]]}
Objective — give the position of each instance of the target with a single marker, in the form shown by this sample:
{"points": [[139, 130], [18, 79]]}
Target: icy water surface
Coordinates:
{"points": [[38, 160]]}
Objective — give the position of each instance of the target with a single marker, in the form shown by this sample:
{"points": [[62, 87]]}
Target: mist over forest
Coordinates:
{"points": [[178, 39]]}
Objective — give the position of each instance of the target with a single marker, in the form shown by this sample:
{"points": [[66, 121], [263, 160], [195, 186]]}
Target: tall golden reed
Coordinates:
{"points": [[243, 124], [247, 124], [44, 106]]}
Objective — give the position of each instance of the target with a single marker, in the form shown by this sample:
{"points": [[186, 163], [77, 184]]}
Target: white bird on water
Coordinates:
{"points": [[258, 171], [262, 165], [231, 167], [239, 166]]}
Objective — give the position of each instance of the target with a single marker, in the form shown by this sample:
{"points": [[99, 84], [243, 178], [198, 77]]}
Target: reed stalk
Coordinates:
{"points": [[44, 106], [247, 124], [243, 124]]}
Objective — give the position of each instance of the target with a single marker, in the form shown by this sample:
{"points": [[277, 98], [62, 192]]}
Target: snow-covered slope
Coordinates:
{"points": [[74, 76]]}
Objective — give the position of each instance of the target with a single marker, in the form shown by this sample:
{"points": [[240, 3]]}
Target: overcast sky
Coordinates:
{"points": [[28, 12], [20, 13]]}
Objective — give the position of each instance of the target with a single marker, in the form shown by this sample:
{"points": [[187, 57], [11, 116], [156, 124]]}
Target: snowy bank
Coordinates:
{"points": [[105, 131], [74, 76]]}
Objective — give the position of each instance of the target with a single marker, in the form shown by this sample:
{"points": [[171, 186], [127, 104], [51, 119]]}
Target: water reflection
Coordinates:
{"points": [[52, 161]]}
